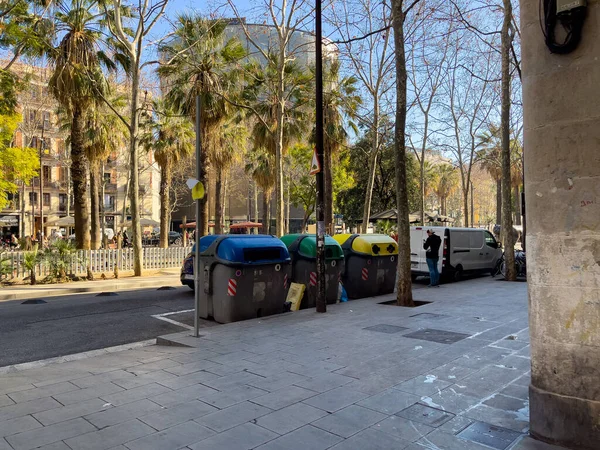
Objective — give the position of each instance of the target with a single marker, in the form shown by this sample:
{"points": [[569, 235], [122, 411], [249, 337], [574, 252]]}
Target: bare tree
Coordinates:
{"points": [[371, 61], [507, 34], [130, 34], [428, 56], [404, 284]]}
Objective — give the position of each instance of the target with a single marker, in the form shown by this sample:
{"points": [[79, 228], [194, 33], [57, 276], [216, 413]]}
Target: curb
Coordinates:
{"points": [[102, 286]]}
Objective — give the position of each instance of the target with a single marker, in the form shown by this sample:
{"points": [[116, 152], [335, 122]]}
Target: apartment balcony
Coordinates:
{"points": [[110, 187], [11, 207], [55, 184], [109, 208]]}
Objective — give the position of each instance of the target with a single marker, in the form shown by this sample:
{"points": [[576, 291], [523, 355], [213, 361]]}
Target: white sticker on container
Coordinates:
{"points": [[333, 263], [392, 259], [277, 267]]}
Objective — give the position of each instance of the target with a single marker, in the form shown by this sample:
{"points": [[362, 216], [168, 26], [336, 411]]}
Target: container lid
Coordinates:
{"points": [[342, 238], [205, 242], [250, 249], [375, 245], [308, 246]]}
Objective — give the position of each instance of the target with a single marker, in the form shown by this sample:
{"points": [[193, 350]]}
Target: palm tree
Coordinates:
{"points": [[489, 157], [199, 61], [105, 135], [171, 137], [233, 136], [340, 103], [262, 92], [76, 82], [262, 170], [445, 184]]}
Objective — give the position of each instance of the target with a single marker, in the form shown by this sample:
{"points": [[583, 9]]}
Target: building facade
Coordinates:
{"points": [[44, 199]]}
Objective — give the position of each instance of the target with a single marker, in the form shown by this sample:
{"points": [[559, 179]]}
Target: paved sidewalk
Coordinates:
{"points": [[155, 278], [452, 374]]}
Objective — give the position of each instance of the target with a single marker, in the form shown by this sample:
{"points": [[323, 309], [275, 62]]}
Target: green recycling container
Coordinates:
{"points": [[370, 267], [303, 251]]}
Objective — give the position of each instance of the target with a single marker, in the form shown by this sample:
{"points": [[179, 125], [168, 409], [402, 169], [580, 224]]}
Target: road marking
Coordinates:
{"points": [[164, 318]]}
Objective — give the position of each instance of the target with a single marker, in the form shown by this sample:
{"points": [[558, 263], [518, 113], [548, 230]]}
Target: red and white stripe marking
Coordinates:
{"points": [[365, 274], [285, 281], [313, 279], [232, 287]]}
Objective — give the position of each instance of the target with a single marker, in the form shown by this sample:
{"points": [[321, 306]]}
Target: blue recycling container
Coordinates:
{"points": [[242, 276]]}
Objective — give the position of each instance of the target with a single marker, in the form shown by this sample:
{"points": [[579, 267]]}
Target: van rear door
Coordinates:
{"points": [[417, 254]]}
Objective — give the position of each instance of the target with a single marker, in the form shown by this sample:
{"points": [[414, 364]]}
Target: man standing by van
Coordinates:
{"points": [[432, 255]]}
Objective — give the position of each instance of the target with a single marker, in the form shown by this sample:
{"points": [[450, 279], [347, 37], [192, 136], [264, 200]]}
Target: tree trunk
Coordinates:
{"points": [[328, 179], [422, 188], [287, 208], [499, 201], [280, 114], [165, 204], [507, 226], [466, 205], [255, 187], [134, 200], [219, 202], [372, 167], [79, 166], [266, 219], [95, 206], [404, 286], [517, 206]]}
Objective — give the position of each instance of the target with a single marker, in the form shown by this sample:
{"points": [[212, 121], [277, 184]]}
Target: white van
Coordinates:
{"points": [[463, 251]]}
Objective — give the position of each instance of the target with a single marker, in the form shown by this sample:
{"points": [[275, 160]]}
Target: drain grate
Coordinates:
{"points": [[426, 415], [439, 336], [106, 294], [490, 435], [428, 316], [384, 328], [37, 301], [166, 288]]}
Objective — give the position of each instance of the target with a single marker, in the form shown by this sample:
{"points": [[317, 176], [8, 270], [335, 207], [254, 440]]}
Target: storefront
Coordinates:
{"points": [[9, 225]]}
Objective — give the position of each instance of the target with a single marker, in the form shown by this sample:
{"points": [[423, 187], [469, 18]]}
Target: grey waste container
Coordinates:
{"points": [[303, 251], [242, 277]]}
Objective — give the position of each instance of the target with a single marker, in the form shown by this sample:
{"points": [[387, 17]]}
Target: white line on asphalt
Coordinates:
{"points": [[174, 322]]}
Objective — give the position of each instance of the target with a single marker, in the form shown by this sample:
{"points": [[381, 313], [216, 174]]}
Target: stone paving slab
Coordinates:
{"points": [[299, 380]]}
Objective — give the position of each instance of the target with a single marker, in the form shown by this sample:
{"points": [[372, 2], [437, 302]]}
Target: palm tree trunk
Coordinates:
{"points": [[327, 175], [204, 179], [507, 225], [404, 286], [165, 204], [280, 115], [255, 205], [219, 202], [79, 165], [499, 201], [443, 205], [266, 220], [95, 206]]}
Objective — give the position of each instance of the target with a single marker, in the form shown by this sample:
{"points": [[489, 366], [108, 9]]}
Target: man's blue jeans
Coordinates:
{"points": [[434, 273]]}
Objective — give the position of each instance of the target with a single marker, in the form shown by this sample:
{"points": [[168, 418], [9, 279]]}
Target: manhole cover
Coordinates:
{"points": [[36, 301], [439, 336], [106, 294], [425, 414], [428, 316], [490, 435], [395, 303], [383, 328]]}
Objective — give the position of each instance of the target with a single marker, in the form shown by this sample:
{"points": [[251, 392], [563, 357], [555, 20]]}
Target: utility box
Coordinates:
{"points": [[242, 277], [303, 251], [370, 264]]}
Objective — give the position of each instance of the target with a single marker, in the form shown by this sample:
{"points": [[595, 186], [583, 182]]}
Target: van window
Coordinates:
{"points": [[476, 239], [460, 239], [490, 241]]}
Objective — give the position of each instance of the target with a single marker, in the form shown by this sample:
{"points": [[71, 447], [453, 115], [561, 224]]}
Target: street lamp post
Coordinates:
{"points": [[321, 300]]}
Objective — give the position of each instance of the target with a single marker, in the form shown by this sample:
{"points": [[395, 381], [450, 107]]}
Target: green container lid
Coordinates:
{"points": [[308, 246]]}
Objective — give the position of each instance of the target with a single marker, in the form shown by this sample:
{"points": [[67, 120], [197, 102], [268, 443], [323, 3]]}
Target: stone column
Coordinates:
{"points": [[562, 162]]}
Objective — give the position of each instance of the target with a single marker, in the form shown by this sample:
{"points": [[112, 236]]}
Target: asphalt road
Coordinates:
{"points": [[79, 323]]}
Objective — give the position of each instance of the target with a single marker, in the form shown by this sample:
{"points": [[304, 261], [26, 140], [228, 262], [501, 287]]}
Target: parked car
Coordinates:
{"points": [[463, 251], [187, 269]]}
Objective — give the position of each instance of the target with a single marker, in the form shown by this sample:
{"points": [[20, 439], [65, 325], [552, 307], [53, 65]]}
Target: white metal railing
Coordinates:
{"points": [[101, 261]]}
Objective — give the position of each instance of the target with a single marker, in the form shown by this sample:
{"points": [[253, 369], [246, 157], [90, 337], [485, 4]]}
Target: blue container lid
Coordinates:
{"points": [[249, 249], [205, 242]]}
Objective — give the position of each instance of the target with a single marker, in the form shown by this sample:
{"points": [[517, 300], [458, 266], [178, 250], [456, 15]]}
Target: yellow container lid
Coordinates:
{"points": [[370, 244]]}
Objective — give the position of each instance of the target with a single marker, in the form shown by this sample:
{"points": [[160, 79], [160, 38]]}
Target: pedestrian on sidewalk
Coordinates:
{"points": [[432, 248]]}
